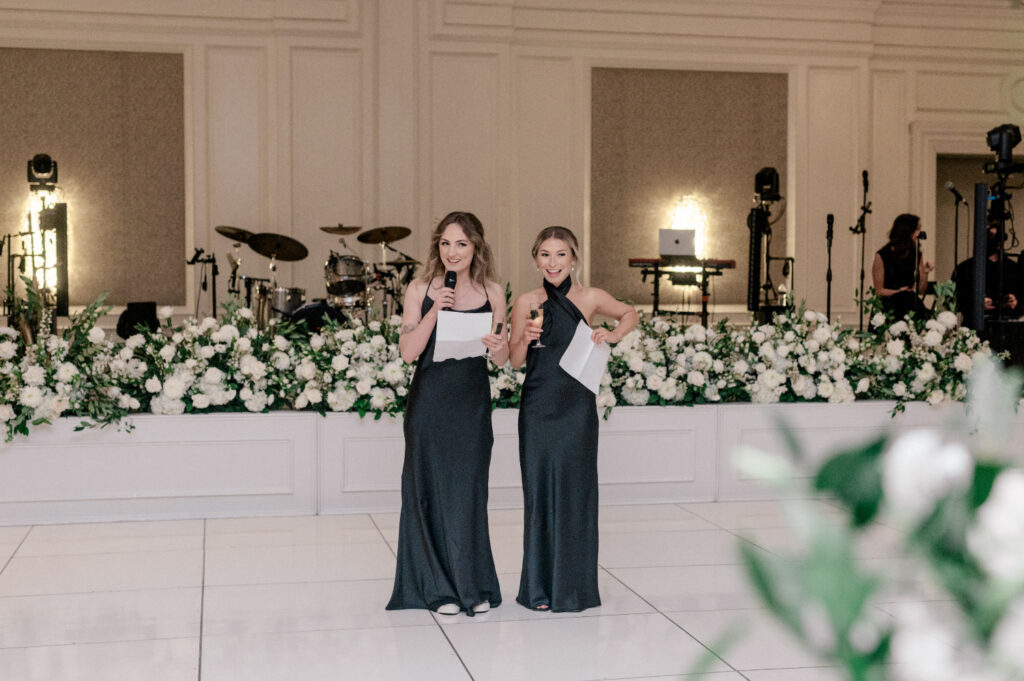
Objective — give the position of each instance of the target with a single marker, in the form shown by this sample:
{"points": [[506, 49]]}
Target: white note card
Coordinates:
{"points": [[585, 360], [459, 334]]}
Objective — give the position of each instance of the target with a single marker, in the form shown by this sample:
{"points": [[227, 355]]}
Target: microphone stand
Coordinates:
{"points": [[956, 229], [828, 272], [861, 229]]}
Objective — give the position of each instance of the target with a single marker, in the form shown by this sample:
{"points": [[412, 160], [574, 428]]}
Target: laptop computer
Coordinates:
{"points": [[677, 242]]}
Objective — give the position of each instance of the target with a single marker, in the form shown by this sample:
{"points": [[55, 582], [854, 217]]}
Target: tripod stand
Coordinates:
{"points": [[861, 229]]}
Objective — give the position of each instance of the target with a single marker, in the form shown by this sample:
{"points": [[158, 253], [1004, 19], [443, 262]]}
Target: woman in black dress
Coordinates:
{"points": [[444, 549], [899, 273], [558, 430]]}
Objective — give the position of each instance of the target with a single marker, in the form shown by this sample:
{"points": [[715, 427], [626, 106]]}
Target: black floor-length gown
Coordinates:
{"points": [[558, 432], [444, 549]]}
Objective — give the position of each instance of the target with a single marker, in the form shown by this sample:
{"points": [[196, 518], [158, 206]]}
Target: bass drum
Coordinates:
{"points": [[346, 280], [274, 304], [316, 314]]}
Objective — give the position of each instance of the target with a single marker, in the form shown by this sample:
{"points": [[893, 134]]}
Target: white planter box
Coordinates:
{"points": [[301, 463]]}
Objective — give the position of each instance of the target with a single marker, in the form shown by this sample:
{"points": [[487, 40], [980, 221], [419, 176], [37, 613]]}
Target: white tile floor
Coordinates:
{"points": [[302, 599]]}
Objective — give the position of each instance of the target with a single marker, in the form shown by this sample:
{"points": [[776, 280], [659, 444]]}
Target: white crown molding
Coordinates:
{"points": [[226, 17]]}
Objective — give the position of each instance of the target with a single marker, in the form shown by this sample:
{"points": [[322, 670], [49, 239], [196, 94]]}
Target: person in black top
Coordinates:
{"points": [[1003, 283], [899, 272], [444, 560]]}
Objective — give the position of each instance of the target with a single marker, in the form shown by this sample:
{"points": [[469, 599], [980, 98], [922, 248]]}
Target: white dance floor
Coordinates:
{"points": [[302, 599]]}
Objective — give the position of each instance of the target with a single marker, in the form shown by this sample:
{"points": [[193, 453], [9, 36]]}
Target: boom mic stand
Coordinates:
{"points": [[828, 272], [861, 229]]}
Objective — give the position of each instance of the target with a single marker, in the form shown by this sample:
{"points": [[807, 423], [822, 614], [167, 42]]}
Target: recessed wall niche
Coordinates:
{"points": [[114, 122], [661, 135]]}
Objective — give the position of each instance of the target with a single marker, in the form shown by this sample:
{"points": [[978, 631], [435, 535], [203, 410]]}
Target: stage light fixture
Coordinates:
{"points": [[42, 172], [766, 185], [1001, 140]]}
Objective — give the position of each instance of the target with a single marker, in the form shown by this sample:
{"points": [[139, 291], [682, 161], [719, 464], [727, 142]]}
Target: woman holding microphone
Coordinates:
{"points": [[444, 551]]}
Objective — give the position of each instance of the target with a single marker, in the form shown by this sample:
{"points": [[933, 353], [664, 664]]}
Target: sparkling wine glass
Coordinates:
{"points": [[537, 319]]}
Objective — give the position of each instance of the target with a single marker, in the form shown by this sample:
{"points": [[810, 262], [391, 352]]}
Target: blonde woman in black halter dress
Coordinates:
{"points": [[558, 430], [444, 550]]}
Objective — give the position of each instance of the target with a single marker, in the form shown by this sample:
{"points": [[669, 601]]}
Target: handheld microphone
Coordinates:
{"points": [[950, 187], [864, 175], [449, 281], [922, 236], [829, 220]]}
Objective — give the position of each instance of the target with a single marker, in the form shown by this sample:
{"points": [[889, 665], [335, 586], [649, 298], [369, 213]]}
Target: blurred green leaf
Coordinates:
{"points": [[854, 477]]}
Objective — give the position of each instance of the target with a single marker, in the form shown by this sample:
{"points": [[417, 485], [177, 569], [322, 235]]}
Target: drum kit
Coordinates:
{"points": [[354, 288]]}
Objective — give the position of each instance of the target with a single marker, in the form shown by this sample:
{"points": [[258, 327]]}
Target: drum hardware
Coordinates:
{"points": [[199, 259], [340, 229], [274, 303], [384, 236], [346, 277], [248, 282]]}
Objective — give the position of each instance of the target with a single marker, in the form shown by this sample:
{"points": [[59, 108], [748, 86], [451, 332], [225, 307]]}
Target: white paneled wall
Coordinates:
{"points": [[381, 112]]}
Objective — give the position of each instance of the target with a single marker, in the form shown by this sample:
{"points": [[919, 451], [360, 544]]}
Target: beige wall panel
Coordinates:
{"points": [[114, 122], [833, 186], [326, 158], [397, 176], [890, 153], [237, 160], [548, 172], [464, 153], [976, 92], [661, 135]]}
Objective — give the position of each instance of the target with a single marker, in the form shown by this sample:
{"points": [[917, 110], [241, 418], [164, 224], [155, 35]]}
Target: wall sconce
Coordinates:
{"points": [[688, 213]]}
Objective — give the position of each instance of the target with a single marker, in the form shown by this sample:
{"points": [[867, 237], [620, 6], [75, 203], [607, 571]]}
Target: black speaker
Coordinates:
{"points": [[135, 315]]}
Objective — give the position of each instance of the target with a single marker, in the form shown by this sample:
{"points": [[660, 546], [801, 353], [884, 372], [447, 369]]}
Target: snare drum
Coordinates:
{"points": [[346, 280], [276, 303]]}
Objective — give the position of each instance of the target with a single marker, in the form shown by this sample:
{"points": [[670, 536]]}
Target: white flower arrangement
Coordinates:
{"points": [[228, 364], [956, 498]]}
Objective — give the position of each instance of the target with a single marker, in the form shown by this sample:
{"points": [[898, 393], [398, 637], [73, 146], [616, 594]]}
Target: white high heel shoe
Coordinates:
{"points": [[483, 607], [449, 609]]}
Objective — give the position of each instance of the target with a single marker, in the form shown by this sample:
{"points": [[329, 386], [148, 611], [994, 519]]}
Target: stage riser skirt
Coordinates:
{"points": [[298, 463]]}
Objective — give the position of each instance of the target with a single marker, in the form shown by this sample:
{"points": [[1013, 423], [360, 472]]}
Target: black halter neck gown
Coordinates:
{"points": [[444, 548], [558, 431]]}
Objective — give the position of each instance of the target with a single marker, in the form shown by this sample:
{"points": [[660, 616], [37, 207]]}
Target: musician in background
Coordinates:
{"points": [[899, 272], [1009, 294]]}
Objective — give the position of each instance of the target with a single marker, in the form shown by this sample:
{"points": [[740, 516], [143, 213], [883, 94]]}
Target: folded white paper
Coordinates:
{"points": [[459, 334], [585, 360]]}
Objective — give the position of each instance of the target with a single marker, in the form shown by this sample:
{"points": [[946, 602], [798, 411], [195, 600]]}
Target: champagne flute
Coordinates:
{"points": [[537, 319]]}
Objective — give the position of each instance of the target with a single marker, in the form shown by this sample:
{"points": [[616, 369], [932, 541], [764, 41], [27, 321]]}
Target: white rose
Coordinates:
{"points": [[997, 537], [863, 385], [31, 396], [918, 469], [66, 371], [6, 413], [164, 313], [280, 360], [339, 362], [96, 335], [363, 386], [8, 350], [316, 341], [306, 370], [963, 363], [34, 375], [932, 338], [877, 320], [695, 378], [654, 382], [281, 343], [167, 352], [200, 401], [153, 385]]}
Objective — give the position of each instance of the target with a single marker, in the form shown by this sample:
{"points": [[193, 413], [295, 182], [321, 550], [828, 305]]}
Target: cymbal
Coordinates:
{"points": [[384, 235], [340, 229], [277, 246], [234, 233]]}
